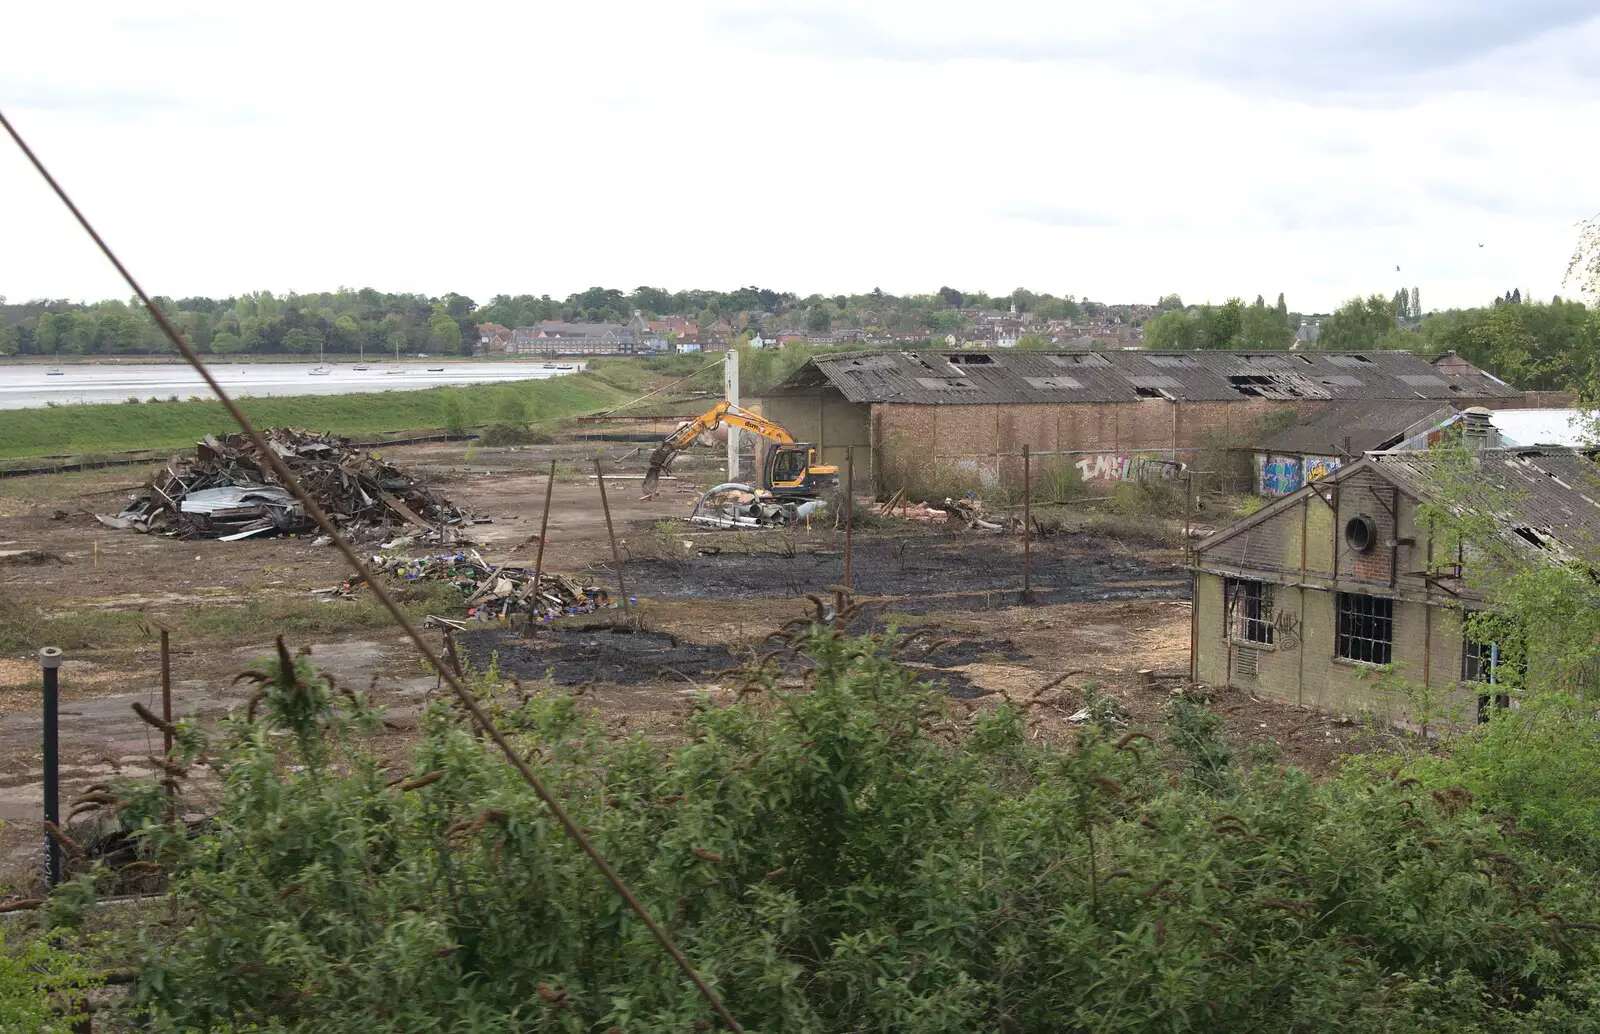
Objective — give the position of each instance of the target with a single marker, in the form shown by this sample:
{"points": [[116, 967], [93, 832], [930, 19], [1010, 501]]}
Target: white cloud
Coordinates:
{"points": [[1113, 151]]}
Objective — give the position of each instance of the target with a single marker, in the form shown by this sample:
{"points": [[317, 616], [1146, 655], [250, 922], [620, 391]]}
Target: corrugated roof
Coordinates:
{"points": [[1368, 426], [1546, 499], [1027, 376]]}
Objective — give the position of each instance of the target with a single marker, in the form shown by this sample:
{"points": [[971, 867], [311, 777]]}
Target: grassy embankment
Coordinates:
{"points": [[87, 430]]}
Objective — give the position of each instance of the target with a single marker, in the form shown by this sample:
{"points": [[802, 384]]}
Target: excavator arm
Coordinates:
{"points": [[721, 413]]}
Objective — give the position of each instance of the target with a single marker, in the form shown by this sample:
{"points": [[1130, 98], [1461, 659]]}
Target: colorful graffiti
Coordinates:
{"points": [[1279, 475], [1319, 467]]}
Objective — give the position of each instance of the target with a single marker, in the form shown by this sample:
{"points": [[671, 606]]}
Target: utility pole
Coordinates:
{"points": [[730, 391]]}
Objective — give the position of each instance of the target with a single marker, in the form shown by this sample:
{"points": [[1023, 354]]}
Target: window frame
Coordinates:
{"points": [[1357, 621], [1244, 626]]}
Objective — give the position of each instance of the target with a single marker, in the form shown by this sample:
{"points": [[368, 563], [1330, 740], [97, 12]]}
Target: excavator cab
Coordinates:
{"points": [[791, 471]]}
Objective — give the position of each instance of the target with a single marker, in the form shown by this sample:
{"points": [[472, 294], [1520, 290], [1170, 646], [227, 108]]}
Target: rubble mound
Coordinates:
{"points": [[228, 491]]}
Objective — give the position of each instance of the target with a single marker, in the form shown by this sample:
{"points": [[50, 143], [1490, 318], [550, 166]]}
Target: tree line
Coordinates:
{"points": [[349, 321], [1537, 345]]}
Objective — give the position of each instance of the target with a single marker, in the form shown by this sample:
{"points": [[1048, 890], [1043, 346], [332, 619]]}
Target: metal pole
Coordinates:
{"points": [[611, 533], [849, 510], [730, 390], [50, 662], [1027, 525], [166, 716]]}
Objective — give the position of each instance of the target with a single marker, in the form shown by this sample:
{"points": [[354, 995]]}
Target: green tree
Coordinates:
{"points": [[1173, 330], [227, 343], [1264, 329], [444, 335], [1033, 341], [1359, 324], [818, 319], [1219, 325]]}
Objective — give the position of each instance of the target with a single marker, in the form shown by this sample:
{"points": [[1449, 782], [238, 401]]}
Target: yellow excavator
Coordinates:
{"points": [[789, 470]]}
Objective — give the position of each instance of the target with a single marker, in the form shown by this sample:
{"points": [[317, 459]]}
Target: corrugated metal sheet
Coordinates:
{"points": [[934, 377], [1369, 425], [1546, 498]]}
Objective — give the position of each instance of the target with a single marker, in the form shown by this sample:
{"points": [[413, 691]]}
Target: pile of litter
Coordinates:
{"points": [[737, 505], [229, 492], [492, 592]]}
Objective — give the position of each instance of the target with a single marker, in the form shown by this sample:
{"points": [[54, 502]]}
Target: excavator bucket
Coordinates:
{"points": [[658, 463]]}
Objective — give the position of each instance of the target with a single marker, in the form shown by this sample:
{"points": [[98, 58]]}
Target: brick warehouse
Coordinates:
{"points": [[1304, 600], [918, 418]]}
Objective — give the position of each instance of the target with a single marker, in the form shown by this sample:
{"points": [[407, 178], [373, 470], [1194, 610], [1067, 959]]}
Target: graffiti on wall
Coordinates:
{"points": [[1319, 467], [1278, 475], [1123, 466], [1111, 466]]}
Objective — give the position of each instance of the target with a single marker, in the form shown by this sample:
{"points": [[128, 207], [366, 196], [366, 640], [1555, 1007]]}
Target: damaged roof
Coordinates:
{"points": [[1029, 376], [1367, 426], [1544, 497], [1546, 501]]}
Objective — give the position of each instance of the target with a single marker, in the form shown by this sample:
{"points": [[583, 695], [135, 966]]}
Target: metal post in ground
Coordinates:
{"points": [[538, 559], [49, 664], [616, 555], [1027, 524], [849, 511]]}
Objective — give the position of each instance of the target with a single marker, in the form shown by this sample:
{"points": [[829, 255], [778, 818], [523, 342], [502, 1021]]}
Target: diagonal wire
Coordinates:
{"points": [[287, 478]]}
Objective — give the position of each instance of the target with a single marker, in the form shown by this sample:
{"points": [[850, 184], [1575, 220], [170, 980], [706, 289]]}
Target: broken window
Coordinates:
{"points": [[1251, 604], [1366, 628]]}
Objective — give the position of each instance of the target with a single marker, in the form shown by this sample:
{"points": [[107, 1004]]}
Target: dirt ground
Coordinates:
{"points": [[1107, 611]]}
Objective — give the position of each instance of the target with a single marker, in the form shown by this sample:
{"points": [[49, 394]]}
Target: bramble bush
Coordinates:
{"points": [[859, 853]]}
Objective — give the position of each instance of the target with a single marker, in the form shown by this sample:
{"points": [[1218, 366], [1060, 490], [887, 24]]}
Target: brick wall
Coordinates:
{"points": [[1300, 666]]}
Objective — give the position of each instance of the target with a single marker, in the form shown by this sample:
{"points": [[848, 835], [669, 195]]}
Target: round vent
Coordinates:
{"points": [[1360, 533]]}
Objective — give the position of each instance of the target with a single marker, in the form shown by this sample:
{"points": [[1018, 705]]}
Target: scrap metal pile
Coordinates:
{"points": [[229, 492], [493, 591], [737, 505]]}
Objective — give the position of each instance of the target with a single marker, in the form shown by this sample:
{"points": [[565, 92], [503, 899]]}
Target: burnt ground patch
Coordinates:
{"points": [[572, 656], [606, 654], [921, 573]]}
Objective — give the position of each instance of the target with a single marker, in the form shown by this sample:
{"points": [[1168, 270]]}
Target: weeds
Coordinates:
{"points": [[854, 853]]}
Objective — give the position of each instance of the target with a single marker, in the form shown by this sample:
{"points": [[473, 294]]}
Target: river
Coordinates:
{"points": [[28, 385]]}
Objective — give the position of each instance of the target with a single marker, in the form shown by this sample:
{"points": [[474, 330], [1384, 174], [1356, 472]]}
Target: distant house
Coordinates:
{"points": [[573, 339], [493, 338]]}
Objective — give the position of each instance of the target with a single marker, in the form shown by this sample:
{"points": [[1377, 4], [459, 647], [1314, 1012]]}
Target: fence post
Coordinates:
{"points": [[49, 663], [1027, 524], [849, 511], [616, 556]]}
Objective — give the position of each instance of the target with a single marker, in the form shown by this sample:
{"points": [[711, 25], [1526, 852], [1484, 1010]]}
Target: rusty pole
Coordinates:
{"points": [[1027, 524], [49, 663], [544, 525], [849, 511], [616, 556]]}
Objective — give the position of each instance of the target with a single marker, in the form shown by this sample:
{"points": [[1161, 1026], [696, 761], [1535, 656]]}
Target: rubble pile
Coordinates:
{"points": [[227, 491], [737, 505], [493, 591]]}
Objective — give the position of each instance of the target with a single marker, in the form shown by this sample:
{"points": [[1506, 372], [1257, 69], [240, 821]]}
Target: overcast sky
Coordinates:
{"points": [[1116, 151]]}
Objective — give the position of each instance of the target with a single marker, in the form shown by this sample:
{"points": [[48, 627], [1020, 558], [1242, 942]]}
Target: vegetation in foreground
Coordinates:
{"points": [[860, 853]]}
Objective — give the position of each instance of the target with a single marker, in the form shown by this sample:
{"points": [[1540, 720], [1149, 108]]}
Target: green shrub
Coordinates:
{"points": [[854, 853], [40, 985]]}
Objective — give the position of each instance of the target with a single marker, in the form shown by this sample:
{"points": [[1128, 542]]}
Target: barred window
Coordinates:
{"points": [[1366, 628], [1251, 605]]}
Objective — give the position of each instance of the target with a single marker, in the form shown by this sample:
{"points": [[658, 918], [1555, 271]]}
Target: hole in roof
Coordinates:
{"points": [[1530, 535], [1046, 383], [919, 360], [1307, 360], [1172, 360], [1148, 393], [971, 359]]}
